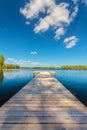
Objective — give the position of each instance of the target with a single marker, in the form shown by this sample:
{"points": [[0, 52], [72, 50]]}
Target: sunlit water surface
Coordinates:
{"points": [[11, 81]]}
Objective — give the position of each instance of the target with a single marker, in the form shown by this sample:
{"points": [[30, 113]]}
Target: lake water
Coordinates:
{"points": [[11, 81]]}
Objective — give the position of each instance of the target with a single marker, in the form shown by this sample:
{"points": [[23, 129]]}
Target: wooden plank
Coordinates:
{"points": [[42, 114], [37, 120], [43, 127], [59, 109], [44, 105], [37, 92], [41, 101], [24, 96]]}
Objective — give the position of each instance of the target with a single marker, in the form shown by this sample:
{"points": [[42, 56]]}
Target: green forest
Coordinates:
{"points": [[66, 67], [78, 67], [7, 66]]}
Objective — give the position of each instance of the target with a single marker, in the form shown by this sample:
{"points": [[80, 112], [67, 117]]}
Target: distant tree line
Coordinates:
{"points": [[10, 66], [46, 67], [79, 67], [40, 67], [7, 66]]}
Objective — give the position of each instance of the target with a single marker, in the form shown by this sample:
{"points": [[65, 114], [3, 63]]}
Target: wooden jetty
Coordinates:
{"points": [[43, 104]]}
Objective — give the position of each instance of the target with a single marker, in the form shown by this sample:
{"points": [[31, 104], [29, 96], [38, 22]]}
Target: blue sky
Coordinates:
{"points": [[49, 32]]}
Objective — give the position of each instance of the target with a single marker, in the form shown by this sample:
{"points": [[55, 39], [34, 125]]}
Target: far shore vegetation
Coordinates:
{"points": [[66, 67], [79, 67], [7, 66]]}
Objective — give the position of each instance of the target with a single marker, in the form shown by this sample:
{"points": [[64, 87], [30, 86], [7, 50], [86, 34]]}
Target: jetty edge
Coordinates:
{"points": [[44, 103]]}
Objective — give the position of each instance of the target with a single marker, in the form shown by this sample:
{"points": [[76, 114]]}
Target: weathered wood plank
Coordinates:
{"points": [[41, 100], [45, 100], [37, 120], [59, 109], [43, 127], [40, 114], [45, 105]]}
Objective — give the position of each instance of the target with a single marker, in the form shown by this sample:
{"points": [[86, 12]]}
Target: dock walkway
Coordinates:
{"points": [[43, 104]]}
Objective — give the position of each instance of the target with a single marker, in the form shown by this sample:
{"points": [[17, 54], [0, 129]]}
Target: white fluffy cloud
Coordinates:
{"points": [[57, 16], [21, 62], [33, 53], [70, 41], [74, 13], [59, 32], [34, 7]]}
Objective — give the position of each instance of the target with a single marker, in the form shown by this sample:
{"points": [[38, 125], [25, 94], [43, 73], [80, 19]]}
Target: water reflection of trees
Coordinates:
{"points": [[8, 70], [1, 76], [2, 71]]}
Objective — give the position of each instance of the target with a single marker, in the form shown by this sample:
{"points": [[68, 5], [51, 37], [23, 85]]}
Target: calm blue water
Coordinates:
{"points": [[12, 81]]}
